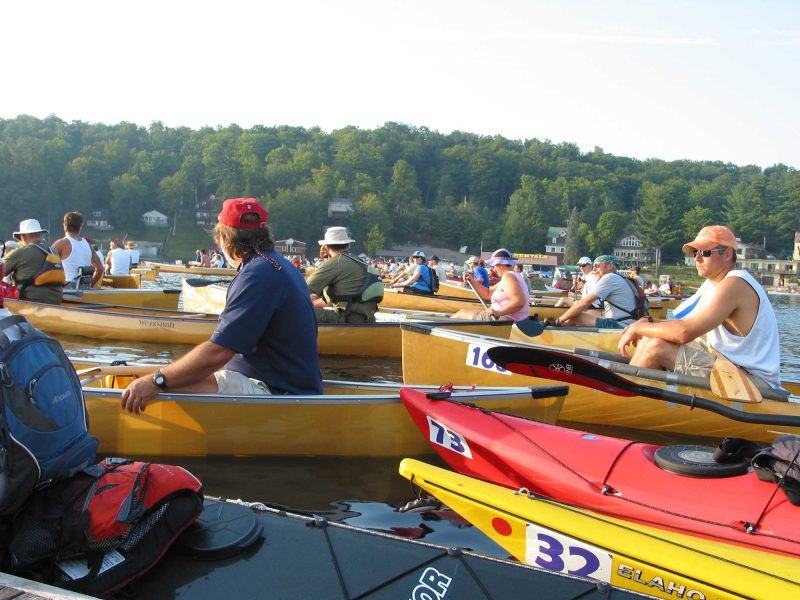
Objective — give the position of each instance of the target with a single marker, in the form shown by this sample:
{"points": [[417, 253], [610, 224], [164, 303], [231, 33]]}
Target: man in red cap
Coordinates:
{"points": [[730, 308], [266, 340]]}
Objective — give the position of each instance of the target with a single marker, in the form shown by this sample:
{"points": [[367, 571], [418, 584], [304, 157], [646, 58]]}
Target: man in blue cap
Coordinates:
{"points": [[618, 295]]}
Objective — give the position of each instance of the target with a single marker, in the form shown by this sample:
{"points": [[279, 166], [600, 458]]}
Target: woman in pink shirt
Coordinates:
{"points": [[509, 297]]}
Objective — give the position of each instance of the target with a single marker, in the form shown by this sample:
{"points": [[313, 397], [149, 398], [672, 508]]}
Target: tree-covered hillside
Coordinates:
{"points": [[407, 183]]}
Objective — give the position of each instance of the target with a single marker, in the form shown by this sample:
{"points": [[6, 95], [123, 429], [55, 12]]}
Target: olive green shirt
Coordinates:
{"points": [[23, 264], [342, 275]]}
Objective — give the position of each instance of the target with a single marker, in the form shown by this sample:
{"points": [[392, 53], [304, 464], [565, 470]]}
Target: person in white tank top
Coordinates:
{"points": [[731, 310], [76, 252]]}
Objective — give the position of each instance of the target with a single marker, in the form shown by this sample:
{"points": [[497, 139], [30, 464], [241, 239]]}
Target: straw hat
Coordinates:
{"points": [[130, 245]]}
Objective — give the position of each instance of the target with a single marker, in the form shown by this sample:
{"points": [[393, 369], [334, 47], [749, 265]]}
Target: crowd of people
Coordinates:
{"points": [[266, 338]]}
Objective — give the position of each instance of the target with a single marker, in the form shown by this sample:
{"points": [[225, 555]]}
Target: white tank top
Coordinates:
{"points": [[120, 261], [759, 351], [81, 256]]}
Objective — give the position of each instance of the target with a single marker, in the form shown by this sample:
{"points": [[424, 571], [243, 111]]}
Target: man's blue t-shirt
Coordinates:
{"points": [[269, 321], [481, 275], [423, 283]]}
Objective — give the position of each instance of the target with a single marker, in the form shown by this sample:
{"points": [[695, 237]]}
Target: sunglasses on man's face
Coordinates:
{"points": [[708, 253]]}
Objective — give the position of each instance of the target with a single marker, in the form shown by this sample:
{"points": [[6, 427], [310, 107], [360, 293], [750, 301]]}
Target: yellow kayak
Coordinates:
{"points": [[644, 559]]}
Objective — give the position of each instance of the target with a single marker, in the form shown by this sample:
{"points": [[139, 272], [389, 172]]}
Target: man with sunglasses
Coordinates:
{"points": [[730, 309], [616, 296]]}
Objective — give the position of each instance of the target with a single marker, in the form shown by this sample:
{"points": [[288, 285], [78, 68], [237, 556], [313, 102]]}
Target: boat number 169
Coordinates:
{"points": [[477, 357]]}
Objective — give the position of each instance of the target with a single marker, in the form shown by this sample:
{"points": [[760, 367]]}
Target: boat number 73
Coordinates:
{"points": [[447, 438], [477, 357], [557, 552]]}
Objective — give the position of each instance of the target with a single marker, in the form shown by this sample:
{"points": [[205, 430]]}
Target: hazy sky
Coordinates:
{"points": [[715, 80]]}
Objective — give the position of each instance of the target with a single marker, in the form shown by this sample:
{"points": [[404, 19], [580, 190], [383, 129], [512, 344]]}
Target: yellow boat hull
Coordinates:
{"points": [[570, 338], [173, 327], [644, 559], [184, 270], [123, 282], [461, 358], [352, 419], [166, 299], [540, 307]]}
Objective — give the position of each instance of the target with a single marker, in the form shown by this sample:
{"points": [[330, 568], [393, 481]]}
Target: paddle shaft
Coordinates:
{"points": [[567, 368], [482, 301]]}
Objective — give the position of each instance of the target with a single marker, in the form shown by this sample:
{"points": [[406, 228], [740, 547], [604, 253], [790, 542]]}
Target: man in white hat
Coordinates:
{"points": [[584, 285], [478, 273], [34, 268], [339, 282], [77, 255]]}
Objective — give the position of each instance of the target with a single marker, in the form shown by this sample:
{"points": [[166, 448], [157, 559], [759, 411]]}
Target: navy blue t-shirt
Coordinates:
{"points": [[269, 321]]}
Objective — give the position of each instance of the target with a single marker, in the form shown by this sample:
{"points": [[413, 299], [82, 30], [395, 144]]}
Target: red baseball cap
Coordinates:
{"points": [[710, 237], [233, 209]]}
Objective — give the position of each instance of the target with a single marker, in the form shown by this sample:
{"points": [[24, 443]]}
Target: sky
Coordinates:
{"points": [[671, 79]]}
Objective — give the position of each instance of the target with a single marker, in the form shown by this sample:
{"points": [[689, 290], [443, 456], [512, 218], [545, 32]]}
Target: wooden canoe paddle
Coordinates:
{"points": [[731, 382], [482, 301]]}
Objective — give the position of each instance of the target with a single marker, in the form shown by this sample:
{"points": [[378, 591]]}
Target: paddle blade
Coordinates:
{"points": [[530, 327], [730, 382], [560, 366]]}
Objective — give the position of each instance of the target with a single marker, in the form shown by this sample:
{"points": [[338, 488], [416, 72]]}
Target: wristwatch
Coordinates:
{"points": [[160, 380]]}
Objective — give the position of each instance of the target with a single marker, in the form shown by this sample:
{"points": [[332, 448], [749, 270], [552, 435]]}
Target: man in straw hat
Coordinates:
{"points": [[130, 246], [340, 280], [266, 340], [730, 308], [77, 255], [34, 268]]}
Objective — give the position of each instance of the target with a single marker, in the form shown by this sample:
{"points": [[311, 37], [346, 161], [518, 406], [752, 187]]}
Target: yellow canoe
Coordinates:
{"points": [[184, 270], [644, 559], [112, 322], [351, 419], [540, 307], [146, 273], [143, 298], [456, 291], [122, 282], [461, 358], [569, 338]]}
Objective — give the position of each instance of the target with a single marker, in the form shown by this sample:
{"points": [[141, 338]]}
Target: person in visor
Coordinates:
{"points": [[266, 340]]}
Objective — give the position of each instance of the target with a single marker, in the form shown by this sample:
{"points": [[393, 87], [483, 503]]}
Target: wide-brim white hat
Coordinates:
{"points": [[29, 226], [335, 236]]}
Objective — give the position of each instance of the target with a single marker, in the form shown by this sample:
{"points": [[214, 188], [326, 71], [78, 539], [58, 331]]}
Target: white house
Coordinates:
{"points": [[630, 250], [154, 218]]}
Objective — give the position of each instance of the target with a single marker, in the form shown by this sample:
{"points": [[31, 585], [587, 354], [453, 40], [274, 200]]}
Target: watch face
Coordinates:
{"points": [[159, 380]]}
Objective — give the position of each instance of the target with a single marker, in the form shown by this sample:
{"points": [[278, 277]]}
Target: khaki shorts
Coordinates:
{"points": [[235, 383], [695, 360]]}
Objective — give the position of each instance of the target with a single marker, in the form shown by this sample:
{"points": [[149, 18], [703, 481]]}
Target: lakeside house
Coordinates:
{"points": [[153, 218]]}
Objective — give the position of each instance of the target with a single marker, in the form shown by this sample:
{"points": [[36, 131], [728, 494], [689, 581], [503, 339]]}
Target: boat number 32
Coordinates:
{"points": [[477, 357], [452, 440], [557, 552]]}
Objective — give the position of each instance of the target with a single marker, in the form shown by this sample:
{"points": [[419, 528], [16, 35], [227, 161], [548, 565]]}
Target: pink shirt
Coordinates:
{"points": [[500, 298]]}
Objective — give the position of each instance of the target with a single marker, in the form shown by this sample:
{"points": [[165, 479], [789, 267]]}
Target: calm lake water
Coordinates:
{"points": [[361, 491]]}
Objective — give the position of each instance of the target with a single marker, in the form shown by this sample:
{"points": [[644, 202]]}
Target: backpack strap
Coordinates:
{"points": [[8, 322], [639, 306]]}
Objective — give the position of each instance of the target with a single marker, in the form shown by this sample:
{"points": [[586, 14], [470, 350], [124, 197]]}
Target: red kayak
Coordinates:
{"points": [[620, 478]]}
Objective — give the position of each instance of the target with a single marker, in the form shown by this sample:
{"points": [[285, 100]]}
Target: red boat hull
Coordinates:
{"points": [[609, 475]]}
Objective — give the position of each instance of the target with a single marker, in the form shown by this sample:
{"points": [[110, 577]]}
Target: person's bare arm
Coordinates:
{"points": [[578, 307], [98, 268], [62, 247], [734, 303], [199, 364]]}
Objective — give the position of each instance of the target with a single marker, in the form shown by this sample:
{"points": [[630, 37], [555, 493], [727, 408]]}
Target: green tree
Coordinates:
{"points": [[524, 227], [744, 213], [375, 240], [656, 224], [695, 219], [609, 229], [573, 250]]}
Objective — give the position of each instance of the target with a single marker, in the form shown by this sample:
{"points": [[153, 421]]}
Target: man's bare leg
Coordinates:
{"points": [[655, 353]]}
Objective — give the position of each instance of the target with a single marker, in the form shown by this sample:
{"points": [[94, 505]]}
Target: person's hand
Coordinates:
{"points": [[490, 314], [552, 322], [628, 337], [138, 394]]}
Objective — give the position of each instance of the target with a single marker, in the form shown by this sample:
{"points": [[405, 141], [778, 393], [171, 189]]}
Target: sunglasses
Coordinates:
{"points": [[708, 253]]}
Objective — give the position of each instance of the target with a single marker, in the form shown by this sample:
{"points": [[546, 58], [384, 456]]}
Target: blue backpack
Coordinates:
{"points": [[43, 424]]}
